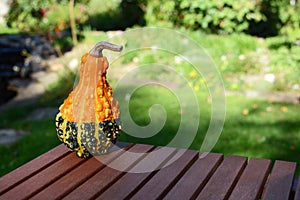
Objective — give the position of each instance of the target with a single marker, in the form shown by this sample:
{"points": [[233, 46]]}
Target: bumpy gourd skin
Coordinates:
{"points": [[88, 120]]}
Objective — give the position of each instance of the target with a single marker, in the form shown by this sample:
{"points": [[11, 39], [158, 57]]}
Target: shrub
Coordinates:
{"points": [[213, 16], [258, 17], [282, 17], [42, 16], [115, 14], [284, 61]]}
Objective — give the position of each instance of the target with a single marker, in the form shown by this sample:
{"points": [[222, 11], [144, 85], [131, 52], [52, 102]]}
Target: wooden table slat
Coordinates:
{"points": [[224, 179], [297, 193], [104, 178], [128, 184], [251, 182], [148, 172], [280, 181], [161, 182], [193, 181], [20, 174], [44, 178], [67, 183]]}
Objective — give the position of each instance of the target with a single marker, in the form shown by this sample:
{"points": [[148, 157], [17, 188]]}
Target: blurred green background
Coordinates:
{"points": [[255, 45]]}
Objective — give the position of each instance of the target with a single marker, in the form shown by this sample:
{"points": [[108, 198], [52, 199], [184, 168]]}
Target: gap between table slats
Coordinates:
{"points": [[297, 193], [44, 178], [279, 184], [70, 181], [193, 181], [251, 183], [224, 179], [59, 173], [128, 184], [103, 179], [165, 178], [31, 168]]}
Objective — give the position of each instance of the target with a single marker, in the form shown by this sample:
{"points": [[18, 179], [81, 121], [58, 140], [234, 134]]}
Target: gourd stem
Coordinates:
{"points": [[97, 50]]}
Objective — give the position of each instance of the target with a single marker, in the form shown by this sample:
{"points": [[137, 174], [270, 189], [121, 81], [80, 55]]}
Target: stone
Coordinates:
{"points": [[55, 67], [4, 8], [8, 136], [45, 77], [42, 114], [73, 64]]}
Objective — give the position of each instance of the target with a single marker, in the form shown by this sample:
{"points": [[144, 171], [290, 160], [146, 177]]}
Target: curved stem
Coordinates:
{"points": [[97, 50]]}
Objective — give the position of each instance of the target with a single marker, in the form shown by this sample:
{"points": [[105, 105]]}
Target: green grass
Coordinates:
{"points": [[43, 134], [6, 30], [253, 128], [41, 139], [266, 130]]}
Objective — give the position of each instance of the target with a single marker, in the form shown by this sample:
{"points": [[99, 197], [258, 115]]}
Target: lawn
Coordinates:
{"points": [[253, 127]]}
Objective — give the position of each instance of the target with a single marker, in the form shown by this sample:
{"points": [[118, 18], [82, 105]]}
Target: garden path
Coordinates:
{"points": [[30, 90]]}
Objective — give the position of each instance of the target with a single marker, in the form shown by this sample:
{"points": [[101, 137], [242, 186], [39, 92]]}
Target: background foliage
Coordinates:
{"points": [[115, 14], [257, 17], [253, 127], [213, 16], [43, 16]]}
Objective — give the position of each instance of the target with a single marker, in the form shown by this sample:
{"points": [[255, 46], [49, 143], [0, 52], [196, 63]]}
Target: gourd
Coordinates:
{"points": [[88, 121]]}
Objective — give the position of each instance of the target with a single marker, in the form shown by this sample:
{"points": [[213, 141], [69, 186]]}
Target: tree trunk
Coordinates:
{"points": [[72, 22]]}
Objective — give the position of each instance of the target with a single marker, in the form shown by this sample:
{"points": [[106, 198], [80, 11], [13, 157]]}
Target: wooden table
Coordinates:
{"points": [[180, 174]]}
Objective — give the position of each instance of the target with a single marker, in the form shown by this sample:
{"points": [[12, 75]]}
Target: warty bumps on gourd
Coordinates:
{"points": [[88, 120]]}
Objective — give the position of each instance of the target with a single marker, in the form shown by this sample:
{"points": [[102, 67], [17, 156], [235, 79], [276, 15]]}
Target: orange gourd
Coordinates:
{"points": [[88, 120]]}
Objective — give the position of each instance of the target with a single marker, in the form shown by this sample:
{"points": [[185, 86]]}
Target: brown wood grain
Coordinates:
{"points": [[148, 172], [127, 185], [297, 193], [164, 180], [224, 179], [251, 182], [72, 180], [33, 167], [39, 181], [192, 182], [104, 178], [280, 182]]}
